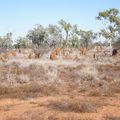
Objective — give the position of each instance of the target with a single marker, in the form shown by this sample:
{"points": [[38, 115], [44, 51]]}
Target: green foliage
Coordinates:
{"points": [[111, 21], [6, 41], [66, 27], [37, 35], [87, 38], [75, 41], [54, 35], [22, 42], [75, 37]]}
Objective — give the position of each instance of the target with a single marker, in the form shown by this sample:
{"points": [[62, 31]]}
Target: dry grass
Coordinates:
{"points": [[6, 107], [52, 79], [109, 117], [102, 91], [108, 67], [73, 105], [28, 90], [55, 108], [38, 115]]}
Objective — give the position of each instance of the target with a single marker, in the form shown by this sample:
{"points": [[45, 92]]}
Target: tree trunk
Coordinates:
{"points": [[110, 43], [66, 35]]}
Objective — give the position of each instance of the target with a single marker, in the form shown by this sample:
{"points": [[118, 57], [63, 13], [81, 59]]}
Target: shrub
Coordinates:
{"points": [[73, 106]]}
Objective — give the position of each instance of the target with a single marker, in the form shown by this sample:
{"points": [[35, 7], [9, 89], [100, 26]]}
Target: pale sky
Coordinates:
{"points": [[19, 16]]}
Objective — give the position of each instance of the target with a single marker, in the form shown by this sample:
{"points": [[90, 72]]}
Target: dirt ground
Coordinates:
{"points": [[38, 108]]}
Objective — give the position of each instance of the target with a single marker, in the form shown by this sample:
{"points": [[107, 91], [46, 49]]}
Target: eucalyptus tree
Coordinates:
{"points": [[54, 35], [6, 41], [117, 42], [111, 21], [23, 42], [86, 38], [37, 35], [75, 37], [66, 27]]}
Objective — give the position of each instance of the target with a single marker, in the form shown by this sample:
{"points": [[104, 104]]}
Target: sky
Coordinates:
{"points": [[19, 16]]}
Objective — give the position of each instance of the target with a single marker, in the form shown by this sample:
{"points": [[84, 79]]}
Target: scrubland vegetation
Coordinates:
{"points": [[62, 73]]}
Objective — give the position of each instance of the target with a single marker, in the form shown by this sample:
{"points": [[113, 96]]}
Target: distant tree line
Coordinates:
{"points": [[64, 34]]}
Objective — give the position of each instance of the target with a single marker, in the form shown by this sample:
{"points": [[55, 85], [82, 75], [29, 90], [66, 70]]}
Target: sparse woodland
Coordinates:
{"points": [[64, 34], [62, 72]]}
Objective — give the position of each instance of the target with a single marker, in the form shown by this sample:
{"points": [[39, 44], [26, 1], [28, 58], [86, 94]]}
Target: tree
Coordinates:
{"points": [[117, 42], [22, 42], [37, 35], [54, 35], [66, 27], [6, 41], [86, 38], [111, 21], [81, 38], [75, 37]]}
